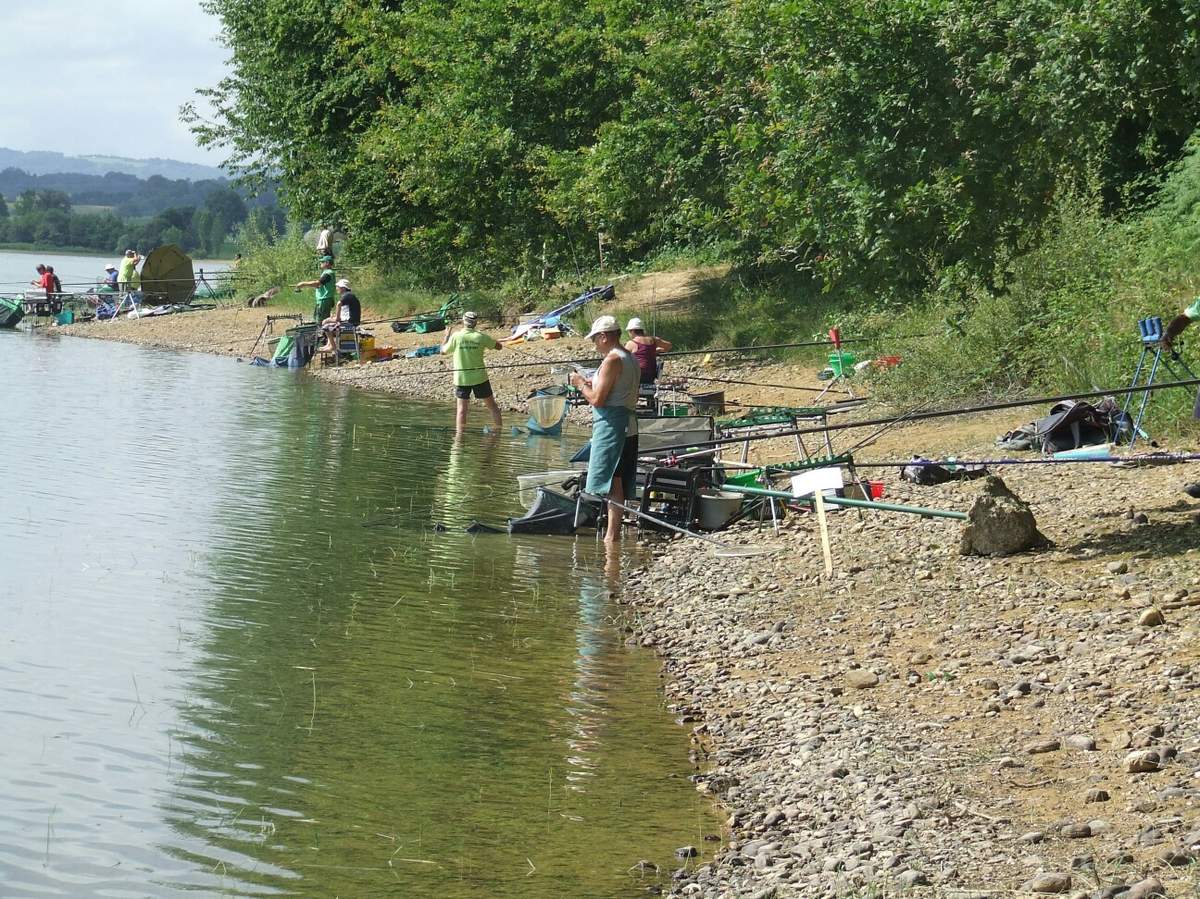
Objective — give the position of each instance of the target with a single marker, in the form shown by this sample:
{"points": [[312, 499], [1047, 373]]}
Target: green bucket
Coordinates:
{"points": [[841, 363], [673, 410], [745, 478]]}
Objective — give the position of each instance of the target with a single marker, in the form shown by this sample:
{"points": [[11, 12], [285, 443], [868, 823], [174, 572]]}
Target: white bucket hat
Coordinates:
{"points": [[635, 324], [603, 324], [343, 283]]}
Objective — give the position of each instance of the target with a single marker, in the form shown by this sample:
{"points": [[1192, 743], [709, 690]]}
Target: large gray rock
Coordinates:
{"points": [[1048, 882], [1145, 889], [999, 523]]}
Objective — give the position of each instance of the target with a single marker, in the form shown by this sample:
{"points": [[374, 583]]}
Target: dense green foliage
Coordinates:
{"points": [[47, 218], [1067, 318], [876, 144]]}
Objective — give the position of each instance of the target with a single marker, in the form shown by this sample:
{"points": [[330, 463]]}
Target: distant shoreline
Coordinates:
{"points": [[43, 248], [79, 251]]}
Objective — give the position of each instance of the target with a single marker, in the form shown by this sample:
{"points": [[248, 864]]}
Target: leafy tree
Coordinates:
{"points": [[877, 144], [53, 227]]}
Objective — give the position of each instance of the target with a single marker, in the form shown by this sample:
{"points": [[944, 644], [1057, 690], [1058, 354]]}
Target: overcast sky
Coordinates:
{"points": [[106, 76]]}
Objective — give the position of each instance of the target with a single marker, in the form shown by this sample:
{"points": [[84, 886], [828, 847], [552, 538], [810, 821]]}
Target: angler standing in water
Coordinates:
{"points": [[470, 375], [612, 393]]}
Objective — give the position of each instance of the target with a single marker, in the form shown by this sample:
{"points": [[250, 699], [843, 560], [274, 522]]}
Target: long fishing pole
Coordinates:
{"points": [[922, 416], [787, 346], [875, 435], [1150, 458], [759, 384]]}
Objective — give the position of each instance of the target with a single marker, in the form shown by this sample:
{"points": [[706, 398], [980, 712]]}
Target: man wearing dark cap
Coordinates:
{"points": [[324, 289]]}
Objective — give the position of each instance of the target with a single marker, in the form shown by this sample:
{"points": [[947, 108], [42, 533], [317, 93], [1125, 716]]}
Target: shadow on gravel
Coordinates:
{"points": [[1179, 506], [1160, 540]]}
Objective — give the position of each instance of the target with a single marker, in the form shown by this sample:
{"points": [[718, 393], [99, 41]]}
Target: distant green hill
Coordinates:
{"points": [[46, 162]]}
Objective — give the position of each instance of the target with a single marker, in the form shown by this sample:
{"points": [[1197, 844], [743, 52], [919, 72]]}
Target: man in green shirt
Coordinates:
{"points": [[127, 275], [470, 376], [324, 289]]}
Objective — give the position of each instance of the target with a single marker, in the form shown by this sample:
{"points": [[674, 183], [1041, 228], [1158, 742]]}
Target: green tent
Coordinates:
{"points": [[167, 275]]}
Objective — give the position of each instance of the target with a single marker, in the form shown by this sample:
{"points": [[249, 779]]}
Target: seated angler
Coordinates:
{"points": [[346, 315]]}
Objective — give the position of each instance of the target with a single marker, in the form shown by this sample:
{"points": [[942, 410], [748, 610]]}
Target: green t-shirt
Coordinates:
{"points": [[1193, 311], [324, 294], [468, 347], [127, 273]]}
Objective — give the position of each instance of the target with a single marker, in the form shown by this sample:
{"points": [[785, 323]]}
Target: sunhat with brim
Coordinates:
{"points": [[343, 283], [635, 324], [604, 324], [110, 268]]}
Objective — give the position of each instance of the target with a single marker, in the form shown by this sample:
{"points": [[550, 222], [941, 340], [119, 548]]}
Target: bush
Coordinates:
{"points": [[1064, 317]]}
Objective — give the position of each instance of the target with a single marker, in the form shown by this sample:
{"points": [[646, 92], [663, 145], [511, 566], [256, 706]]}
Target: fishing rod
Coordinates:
{"points": [[759, 384], [1150, 458], [875, 435], [922, 416], [788, 346]]}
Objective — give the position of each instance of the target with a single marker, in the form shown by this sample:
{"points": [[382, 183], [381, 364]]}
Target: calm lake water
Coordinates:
{"points": [[17, 269], [236, 660]]}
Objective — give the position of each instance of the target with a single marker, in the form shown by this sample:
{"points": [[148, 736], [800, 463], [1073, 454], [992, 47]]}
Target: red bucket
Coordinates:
{"points": [[876, 489]]}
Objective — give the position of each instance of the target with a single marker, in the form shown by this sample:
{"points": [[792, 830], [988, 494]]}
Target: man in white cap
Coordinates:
{"points": [[110, 278], [645, 348], [612, 394], [470, 375], [346, 315]]}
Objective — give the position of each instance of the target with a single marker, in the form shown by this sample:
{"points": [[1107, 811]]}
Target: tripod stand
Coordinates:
{"points": [[1154, 356]]}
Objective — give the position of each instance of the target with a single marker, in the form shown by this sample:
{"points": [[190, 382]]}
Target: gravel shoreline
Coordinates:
{"points": [[920, 722], [950, 725]]}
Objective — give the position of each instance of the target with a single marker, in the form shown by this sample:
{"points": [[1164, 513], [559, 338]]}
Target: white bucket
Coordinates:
{"points": [[717, 508]]}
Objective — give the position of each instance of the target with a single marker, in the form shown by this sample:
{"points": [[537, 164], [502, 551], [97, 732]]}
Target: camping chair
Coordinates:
{"points": [[346, 343]]}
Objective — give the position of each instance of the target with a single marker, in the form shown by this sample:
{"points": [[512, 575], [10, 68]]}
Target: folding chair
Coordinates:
{"points": [[345, 343]]}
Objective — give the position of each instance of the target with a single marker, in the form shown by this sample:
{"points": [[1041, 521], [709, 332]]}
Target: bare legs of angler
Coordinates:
{"points": [[463, 395], [616, 495]]}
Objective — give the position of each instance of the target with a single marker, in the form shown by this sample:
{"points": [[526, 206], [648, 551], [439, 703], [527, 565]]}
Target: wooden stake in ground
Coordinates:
{"points": [[819, 502]]}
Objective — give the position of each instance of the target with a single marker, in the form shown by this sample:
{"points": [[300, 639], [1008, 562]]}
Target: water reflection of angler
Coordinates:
{"points": [[460, 482], [586, 700]]}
